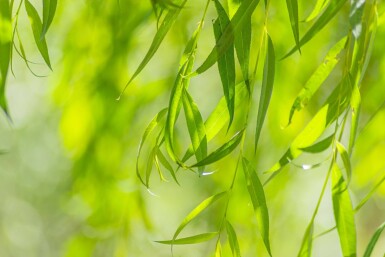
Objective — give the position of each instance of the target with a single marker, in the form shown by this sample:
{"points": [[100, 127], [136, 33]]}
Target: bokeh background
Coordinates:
{"points": [[67, 166]]}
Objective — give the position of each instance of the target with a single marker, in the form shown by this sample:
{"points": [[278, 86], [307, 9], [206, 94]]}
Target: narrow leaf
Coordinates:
{"points": [[373, 240], [355, 17], [162, 159], [319, 6], [355, 103], [345, 159], [5, 49], [37, 32], [369, 195], [218, 250], [222, 151], [318, 77], [191, 239], [320, 146], [233, 240], [49, 9], [292, 7], [258, 200], [343, 213], [307, 241], [267, 88]]}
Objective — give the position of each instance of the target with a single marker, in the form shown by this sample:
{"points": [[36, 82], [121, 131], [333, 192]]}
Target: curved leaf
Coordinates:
{"points": [[319, 6], [307, 241], [190, 240], [320, 146], [373, 240], [49, 9], [5, 49], [233, 240], [345, 159], [292, 7]]}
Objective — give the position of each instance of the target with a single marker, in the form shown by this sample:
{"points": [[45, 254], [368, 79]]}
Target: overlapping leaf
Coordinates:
{"points": [[307, 241], [5, 48], [292, 7], [319, 6], [49, 9], [233, 240], [319, 146]]}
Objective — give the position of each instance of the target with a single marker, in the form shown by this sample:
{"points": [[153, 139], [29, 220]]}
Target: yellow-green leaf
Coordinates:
{"points": [[233, 240], [307, 241], [49, 9], [292, 7], [190, 240], [5, 49], [373, 240], [320, 146], [345, 159]]}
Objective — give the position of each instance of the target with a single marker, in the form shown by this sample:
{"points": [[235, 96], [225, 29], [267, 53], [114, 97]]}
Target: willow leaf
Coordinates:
{"points": [[355, 17], [199, 209], [195, 127], [319, 6], [222, 151], [233, 240], [150, 127], [307, 241], [355, 104], [168, 21], [267, 88], [258, 200], [37, 29], [333, 107], [190, 240], [343, 213], [369, 195], [218, 250], [320, 146], [162, 159], [5, 49], [292, 7], [150, 162], [318, 77], [49, 9], [242, 15], [226, 64], [373, 240], [330, 11], [345, 159]]}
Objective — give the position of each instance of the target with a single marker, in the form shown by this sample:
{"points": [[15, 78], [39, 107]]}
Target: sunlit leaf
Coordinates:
{"points": [[320, 146], [317, 78], [292, 7], [355, 17], [373, 240], [162, 159], [267, 88], [191, 239], [330, 11], [343, 213], [307, 241], [5, 49], [319, 6], [233, 240], [345, 159], [258, 200], [218, 250], [222, 151], [199, 209], [49, 9], [355, 103], [369, 195]]}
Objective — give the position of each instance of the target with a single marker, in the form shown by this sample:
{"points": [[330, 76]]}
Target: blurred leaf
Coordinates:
{"points": [[320, 146], [5, 49], [319, 6], [267, 88], [222, 151], [195, 127], [307, 241], [343, 213], [373, 241], [355, 17], [292, 8], [369, 195], [331, 10], [345, 159], [218, 250], [226, 64], [37, 32], [190, 240], [318, 77], [49, 9], [258, 199], [233, 240], [242, 15], [199, 209]]}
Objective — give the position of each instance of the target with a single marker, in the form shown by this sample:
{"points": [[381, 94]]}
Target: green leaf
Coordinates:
{"points": [[292, 7], [373, 240], [320, 146], [199, 209], [319, 6], [37, 32], [307, 241], [317, 78], [222, 151], [168, 21], [233, 240], [369, 195], [226, 64], [162, 159], [195, 127], [190, 240], [49, 9], [153, 124], [331, 10], [343, 213], [345, 159], [258, 200], [355, 104], [355, 17], [5, 49], [242, 15], [218, 250], [267, 88]]}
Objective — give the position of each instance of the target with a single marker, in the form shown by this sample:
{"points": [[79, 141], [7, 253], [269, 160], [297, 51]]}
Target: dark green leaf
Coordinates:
{"points": [[373, 240], [320, 146], [292, 7], [5, 49], [267, 88], [49, 9], [37, 31], [233, 240], [343, 213], [258, 200], [190, 240], [222, 151]]}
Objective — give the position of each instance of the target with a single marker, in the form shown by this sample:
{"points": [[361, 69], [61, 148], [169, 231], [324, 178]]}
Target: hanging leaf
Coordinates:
{"points": [[49, 9], [343, 213], [355, 103], [258, 200], [320, 146], [233, 240], [373, 240], [222, 151], [218, 250], [37, 32], [369, 195], [267, 88], [318, 8], [5, 49], [226, 64], [162, 159], [292, 7], [317, 78], [191, 239], [307, 241], [355, 17], [345, 159]]}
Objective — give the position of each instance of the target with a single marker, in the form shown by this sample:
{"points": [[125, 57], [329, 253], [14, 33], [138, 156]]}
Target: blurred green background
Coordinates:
{"points": [[67, 172]]}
